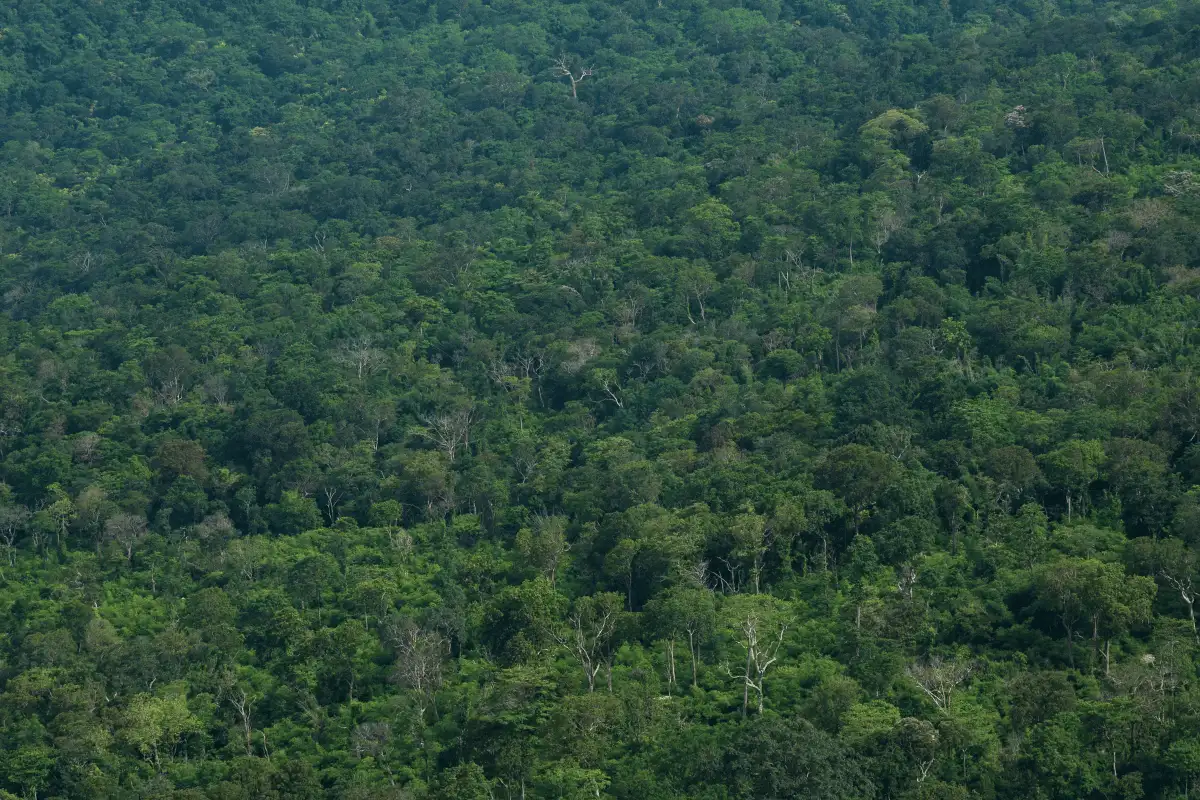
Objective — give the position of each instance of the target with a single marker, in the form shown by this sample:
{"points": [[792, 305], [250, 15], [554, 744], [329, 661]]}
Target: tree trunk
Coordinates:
{"points": [[670, 666], [692, 651], [1190, 599], [746, 683]]}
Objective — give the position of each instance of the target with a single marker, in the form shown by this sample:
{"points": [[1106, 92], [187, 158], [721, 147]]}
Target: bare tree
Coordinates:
{"points": [[939, 679], [217, 389], [544, 544], [275, 179], [563, 68], [126, 530], [762, 640], [606, 381], [373, 739], [1187, 592], [361, 356], [84, 261], [419, 658], [9, 429], [243, 704], [13, 521], [86, 446], [532, 366], [449, 430], [591, 628]]}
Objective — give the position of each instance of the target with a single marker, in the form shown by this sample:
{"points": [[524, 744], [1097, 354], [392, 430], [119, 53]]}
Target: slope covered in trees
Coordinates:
{"points": [[610, 399]]}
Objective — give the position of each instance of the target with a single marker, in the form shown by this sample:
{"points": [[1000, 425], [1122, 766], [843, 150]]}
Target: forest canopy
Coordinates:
{"points": [[615, 399]]}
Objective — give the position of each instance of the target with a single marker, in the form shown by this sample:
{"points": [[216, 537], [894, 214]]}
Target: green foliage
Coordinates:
{"points": [[608, 400]]}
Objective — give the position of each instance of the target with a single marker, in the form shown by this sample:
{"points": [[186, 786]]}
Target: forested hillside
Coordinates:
{"points": [[620, 399]]}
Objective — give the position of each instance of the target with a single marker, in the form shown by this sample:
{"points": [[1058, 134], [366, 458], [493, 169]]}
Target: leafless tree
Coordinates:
{"points": [[372, 739], [884, 225], [907, 581], [532, 366], [13, 521], [563, 68], [126, 530], [525, 461], [939, 679], [449, 430], [217, 389], [276, 179], [8, 430], [375, 417], [590, 631], [1187, 592], [214, 528], [360, 355], [333, 494], [85, 446], [419, 658], [243, 704], [578, 354], [85, 260], [170, 390], [207, 230], [606, 381], [762, 641], [698, 574]]}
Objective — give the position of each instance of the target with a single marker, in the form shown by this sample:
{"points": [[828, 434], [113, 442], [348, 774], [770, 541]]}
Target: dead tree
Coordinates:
{"points": [[762, 645], [449, 430], [591, 630], [360, 356], [126, 530], [13, 522], [243, 704], [563, 68], [939, 680], [419, 658], [1187, 593]]}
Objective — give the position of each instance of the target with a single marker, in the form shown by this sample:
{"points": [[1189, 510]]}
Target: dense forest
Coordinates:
{"points": [[612, 399]]}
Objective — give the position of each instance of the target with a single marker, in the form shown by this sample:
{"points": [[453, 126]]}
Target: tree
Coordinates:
{"points": [[521, 622], [449, 430], [58, 515], [758, 623], [683, 612], [419, 658], [1074, 467], [939, 679], [590, 630], [1015, 472], [156, 725], [544, 544], [127, 531], [13, 522], [773, 756], [1176, 564], [1080, 590], [563, 68], [752, 540], [344, 651], [859, 475]]}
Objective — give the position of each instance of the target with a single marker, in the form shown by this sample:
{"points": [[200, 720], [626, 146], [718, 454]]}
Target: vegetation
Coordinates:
{"points": [[607, 399]]}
